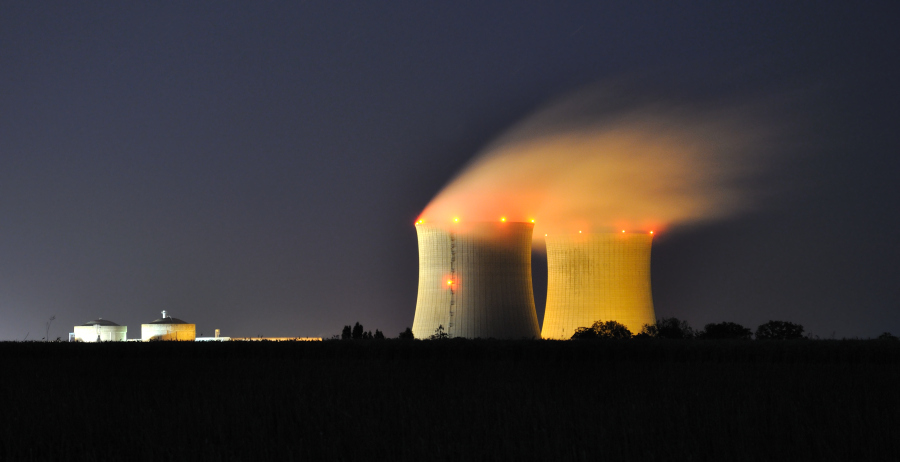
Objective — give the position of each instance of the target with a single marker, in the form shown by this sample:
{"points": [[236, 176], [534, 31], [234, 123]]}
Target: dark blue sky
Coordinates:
{"points": [[258, 167]]}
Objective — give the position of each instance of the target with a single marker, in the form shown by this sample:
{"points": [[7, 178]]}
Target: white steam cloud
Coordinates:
{"points": [[596, 162]]}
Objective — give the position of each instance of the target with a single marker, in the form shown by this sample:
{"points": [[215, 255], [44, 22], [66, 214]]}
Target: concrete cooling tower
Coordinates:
{"points": [[475, 281], [595, 277]]}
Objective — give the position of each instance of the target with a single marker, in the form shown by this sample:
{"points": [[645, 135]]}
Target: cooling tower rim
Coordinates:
{"points": [[602, 233], [474, 223]]}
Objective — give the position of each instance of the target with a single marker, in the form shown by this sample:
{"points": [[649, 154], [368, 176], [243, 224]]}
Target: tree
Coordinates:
{"points": [[584, 333], [345, 334], [378, 335], [357, 331], [406, 335], [779, 330], [725, 330], [602, 330], [888, 336], [668, 328], [439, 333]]}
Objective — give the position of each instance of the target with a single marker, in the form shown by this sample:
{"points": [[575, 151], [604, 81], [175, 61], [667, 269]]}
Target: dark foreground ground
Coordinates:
{"points": [[452, 400]]}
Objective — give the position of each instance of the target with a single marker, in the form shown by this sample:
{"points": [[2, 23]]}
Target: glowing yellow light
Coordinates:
{"points": [[532, 221], [502, 218], [456, 219], [449, 283], [623, 230], [544, 234], [579, 232], [651, 232]]}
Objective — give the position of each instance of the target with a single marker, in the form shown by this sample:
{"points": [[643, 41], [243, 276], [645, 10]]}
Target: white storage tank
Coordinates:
{"points": [[168, 328], [100, 330]]}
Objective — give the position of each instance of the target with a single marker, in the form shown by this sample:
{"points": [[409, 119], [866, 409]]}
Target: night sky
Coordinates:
{"points": [[258, 167]]}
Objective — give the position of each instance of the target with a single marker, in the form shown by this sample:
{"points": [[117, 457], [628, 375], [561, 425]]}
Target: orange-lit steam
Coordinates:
{"points": [[641, 166]]}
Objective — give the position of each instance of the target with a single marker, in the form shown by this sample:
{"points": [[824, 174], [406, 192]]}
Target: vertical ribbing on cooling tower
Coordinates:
{"points": [[488, 266], [595, 277]]}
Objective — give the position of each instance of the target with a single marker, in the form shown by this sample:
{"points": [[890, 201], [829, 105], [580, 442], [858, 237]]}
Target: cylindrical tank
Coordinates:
{"points": [[168, 328], [100, 330], [475, 281], [597, 277]]}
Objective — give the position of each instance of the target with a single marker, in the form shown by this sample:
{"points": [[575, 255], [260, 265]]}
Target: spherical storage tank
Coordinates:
{"points": [[597, 277], [475, 281], [168, 328], [100, 330]]}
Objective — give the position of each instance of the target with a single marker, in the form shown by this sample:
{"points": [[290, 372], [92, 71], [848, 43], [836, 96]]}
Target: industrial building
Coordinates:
{"points": [[100, 330], [168, 328], [475, 280], [591, 277]]}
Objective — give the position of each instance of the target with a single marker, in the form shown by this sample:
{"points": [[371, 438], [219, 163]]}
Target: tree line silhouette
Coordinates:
{"points": [[357, 333], [665, 328], [676, 329]]}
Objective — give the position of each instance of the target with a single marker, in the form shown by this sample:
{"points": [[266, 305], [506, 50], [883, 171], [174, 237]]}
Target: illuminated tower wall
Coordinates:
{"points": [[595, 277], [475, 280]]}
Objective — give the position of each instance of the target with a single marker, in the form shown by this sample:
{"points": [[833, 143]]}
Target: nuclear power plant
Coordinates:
{"points": [[595, 277], [475, 281]]}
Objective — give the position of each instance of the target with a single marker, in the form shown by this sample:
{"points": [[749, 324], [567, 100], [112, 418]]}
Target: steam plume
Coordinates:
{"points": [[596, 162]]}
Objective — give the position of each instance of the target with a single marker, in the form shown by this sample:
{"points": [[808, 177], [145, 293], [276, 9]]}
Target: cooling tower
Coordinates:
{"points": [[595, 277], [475, 280]]}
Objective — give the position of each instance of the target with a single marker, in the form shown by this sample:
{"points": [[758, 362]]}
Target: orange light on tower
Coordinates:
{"points": [[450, 282]]}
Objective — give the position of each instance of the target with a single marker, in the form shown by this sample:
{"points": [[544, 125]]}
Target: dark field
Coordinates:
{"points": [[452, 400]]}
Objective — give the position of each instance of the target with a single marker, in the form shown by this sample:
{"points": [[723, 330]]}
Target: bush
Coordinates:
{"points": [[779, 330], [888, 336], [725, 330], [602, 330], [668, 328]]}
